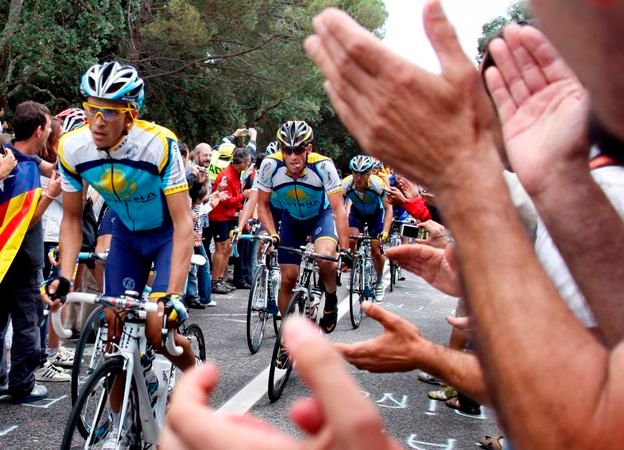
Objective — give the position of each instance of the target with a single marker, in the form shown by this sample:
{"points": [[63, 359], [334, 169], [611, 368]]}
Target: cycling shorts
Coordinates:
{"points": [[130, 259], [374, 221], [220, 230], [106, 224], [294, 233]]}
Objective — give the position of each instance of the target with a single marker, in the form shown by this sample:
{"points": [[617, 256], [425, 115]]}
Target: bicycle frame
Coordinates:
{"points": [[132, 345]]}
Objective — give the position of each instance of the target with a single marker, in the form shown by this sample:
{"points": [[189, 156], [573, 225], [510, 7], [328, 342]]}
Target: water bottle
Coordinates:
{"points": [[151, 380], [315, 302]]}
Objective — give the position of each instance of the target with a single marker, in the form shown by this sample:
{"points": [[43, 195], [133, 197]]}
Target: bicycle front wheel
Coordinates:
{"points": [[94, 408], [281, 363], [89, 350], [256, 310], [356, 292], [198, 344]]}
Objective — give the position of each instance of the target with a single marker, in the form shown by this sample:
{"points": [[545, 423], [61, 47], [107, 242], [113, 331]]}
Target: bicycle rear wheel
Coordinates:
{"points": [[257, 314], [393, 275], [278, 377], [93, 409], [89, 350], [356, 293], [198, 344]]}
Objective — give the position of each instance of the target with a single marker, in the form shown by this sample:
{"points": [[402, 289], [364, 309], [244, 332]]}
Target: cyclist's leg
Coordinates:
{"points": [[375, 226], [153, 323], [355, 227], [292, 234], [325, 241]]}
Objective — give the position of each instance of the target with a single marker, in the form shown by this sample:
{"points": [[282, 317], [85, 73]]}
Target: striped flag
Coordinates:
{"points": [[19, 195]]}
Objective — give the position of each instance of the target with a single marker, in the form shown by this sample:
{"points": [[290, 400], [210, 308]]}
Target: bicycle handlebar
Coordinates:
{"points": [[94, 299], [304, 252]]}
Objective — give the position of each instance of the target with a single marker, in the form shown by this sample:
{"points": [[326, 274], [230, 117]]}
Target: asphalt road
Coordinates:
{"points": [[408, 414]]}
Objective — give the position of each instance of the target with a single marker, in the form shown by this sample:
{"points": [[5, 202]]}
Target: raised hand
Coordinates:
{"points": [[541, 104], [433, 127], [434, 265], [395, 350]]}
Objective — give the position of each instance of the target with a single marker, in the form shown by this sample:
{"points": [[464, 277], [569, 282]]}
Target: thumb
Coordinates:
{"points": [[443, 38]]}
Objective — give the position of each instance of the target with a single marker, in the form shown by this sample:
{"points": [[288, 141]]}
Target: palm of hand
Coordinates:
{"points": [[546, 129]]}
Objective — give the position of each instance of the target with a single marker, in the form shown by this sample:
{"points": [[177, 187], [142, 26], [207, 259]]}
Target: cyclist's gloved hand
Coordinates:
{"points": [[58, 287], [235, 233], [276, 239], [347, 259], [383, 237], [174, 309]]}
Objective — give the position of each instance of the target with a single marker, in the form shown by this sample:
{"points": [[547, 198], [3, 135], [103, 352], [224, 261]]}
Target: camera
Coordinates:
{"points": [[412, 231]]}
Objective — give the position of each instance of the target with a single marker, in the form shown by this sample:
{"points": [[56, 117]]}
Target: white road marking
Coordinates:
{"points": [[244, 399], [49, 402], [8, 430]]}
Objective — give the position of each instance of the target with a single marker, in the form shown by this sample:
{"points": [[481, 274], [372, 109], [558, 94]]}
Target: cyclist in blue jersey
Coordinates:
{"points": [[308, 189], [367, 205], [137, 168]]}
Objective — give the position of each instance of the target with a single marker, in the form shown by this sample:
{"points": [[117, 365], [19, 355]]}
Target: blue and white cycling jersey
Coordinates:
{"points": [[305, 197], [133, 178], [368, 202]]}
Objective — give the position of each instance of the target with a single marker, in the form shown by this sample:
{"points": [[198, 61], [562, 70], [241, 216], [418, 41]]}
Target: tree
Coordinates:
{"points": [[518, 12]]}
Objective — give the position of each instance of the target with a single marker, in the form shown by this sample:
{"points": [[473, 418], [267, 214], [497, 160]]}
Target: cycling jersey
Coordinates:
{"points": [[133, 177], [368, 202], [305, 197]]}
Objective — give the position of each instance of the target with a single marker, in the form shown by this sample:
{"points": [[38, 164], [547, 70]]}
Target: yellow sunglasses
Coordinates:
{"points": [[107, 112]]}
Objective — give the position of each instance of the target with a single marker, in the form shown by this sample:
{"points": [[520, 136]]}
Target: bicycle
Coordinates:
{"points": [[393, 240], [363, 276], [262, 302], [92, 342], [307, 295], [147, 381]]}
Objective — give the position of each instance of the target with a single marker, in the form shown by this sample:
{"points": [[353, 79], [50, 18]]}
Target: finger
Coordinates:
{"points": [[505, 104], [443, 39], [506, 64], [385, 318], [361, 46], [169, 440], [322, 369], [530, 71], [545, 54], [307, 414], [349, 116]]}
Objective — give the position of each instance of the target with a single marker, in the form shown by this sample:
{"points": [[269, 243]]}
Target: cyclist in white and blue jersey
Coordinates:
{"points": [[137, 168], [367, 205], [308, 189]]}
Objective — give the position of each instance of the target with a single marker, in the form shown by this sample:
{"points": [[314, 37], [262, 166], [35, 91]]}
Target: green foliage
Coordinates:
{"points": [[210, 66], [518, 12]]}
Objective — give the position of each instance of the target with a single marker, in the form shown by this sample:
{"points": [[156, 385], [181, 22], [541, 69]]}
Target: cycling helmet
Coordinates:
{"points": [[112, 81], [377, 164], [72, 118], [295, 133], [361, 164], [273, 147]]}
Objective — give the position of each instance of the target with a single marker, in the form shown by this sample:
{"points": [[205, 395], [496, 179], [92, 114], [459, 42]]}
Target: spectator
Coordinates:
{"points": [[541, 348], [223, 217], [22, 253]]}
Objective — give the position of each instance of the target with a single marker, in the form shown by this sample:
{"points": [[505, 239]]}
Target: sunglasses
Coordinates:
{"points": [[296, 150], [107, 112]]}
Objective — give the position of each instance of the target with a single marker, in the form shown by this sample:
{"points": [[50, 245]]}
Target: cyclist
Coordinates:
{"points": [[137, 168], [367, 205], [308, 189]]}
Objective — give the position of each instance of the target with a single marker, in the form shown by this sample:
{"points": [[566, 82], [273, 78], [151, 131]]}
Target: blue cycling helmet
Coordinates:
{"points": [[361, 164], [273, 147], [112, 81]]}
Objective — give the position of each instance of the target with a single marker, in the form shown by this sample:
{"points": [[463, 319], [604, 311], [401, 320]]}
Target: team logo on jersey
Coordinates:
{"points": [[131, 152], [114, 182]]}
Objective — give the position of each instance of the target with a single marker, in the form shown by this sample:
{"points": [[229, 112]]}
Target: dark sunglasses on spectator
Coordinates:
{"points": [[296, 150]]}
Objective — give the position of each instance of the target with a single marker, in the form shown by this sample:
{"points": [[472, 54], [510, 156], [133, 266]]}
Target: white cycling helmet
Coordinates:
{"points": [[295, 133], [273, 147], [112, 81], [361, 164], [72, 118]]}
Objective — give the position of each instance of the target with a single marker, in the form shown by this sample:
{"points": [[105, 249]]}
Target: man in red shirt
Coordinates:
{"points": [[223, 217]]}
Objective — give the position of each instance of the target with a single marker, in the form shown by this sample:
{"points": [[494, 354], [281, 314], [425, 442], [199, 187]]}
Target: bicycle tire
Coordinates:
{"points": [[103, 376], [255, 328], [278, 380], [96, 316], [392, 275], [356, 294], [198, 343]]}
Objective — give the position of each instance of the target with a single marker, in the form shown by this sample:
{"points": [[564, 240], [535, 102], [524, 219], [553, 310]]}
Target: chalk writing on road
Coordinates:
{"points": [[413, 442], [45, 404], [8, 430], [388, 401]]}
